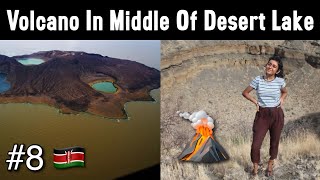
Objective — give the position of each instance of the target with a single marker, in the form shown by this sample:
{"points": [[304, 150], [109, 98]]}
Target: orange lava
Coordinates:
{"points": [[205, 132]]}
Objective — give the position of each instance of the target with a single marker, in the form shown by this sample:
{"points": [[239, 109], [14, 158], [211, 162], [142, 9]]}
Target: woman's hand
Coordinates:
{"points": [[257, 105], [281, 102], [284, 93], [246, 94]]}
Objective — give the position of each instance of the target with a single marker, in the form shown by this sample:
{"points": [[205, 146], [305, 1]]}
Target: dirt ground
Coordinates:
{"points": [[210, 76]]}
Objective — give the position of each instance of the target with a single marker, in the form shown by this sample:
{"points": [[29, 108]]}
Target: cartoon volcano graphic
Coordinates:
{"points": [[203, 147]]}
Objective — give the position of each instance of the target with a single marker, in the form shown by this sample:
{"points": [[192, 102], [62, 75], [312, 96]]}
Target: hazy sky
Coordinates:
{"points": [[144, 51]]}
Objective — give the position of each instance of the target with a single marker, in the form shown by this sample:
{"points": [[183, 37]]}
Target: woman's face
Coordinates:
{"points": [[272, 67]]}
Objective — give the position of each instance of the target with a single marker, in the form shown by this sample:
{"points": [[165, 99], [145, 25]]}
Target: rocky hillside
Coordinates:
{"points": [[211, 75]]}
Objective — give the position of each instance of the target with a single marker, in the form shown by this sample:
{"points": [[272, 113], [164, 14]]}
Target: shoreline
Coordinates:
{"points": [[66, 111]]}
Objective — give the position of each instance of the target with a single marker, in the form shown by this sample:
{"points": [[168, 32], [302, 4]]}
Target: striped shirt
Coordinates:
{"points": [[268, 92]]}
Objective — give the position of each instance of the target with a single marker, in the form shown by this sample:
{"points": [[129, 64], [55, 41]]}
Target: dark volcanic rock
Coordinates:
{"points": [[65, 79], [313, 61]]}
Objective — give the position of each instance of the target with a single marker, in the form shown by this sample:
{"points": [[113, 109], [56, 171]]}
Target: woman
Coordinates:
{"points": [[271, 93]]}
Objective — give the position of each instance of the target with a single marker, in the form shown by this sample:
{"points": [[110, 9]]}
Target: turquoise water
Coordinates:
{"points": [[105, 87], [4, 85], [30, 61]]}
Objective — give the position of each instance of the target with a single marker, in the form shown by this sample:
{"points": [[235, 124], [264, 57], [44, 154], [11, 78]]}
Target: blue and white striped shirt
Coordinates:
{"points": [[268, 92]]}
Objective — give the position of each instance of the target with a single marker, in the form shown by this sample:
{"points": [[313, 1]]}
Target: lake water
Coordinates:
{"points": [[107, 87], [112, 148], [30, 61], [4, 85]]}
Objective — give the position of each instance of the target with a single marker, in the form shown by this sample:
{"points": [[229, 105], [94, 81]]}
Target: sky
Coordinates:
{"points": [[144, 51]]}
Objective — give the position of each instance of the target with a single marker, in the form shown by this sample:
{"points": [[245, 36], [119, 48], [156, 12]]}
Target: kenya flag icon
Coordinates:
{"points": [[68, 157]]}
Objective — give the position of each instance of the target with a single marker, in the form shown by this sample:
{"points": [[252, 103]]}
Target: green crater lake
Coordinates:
{"points": [[30, 61], [107, 87]]}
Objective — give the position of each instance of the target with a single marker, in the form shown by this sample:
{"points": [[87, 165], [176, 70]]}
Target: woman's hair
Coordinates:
{"points": [[280, 65]]}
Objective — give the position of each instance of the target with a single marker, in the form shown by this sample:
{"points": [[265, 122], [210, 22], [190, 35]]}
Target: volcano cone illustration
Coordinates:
{"points": [[203, 147]]}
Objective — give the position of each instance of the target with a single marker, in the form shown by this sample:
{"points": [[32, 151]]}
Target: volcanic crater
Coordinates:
{"points": [[65, 81]]}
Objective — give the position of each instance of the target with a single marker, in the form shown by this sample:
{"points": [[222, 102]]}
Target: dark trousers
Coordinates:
{"points": [[271, 119]]}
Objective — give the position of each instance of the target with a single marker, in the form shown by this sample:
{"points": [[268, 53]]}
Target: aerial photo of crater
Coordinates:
{"points": [[103, 96]]}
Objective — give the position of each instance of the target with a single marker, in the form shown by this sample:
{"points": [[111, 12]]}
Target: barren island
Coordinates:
{"points": [[65, 80]]}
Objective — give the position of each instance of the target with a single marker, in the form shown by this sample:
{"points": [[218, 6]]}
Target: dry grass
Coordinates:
{"points": [[300, 146]]}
